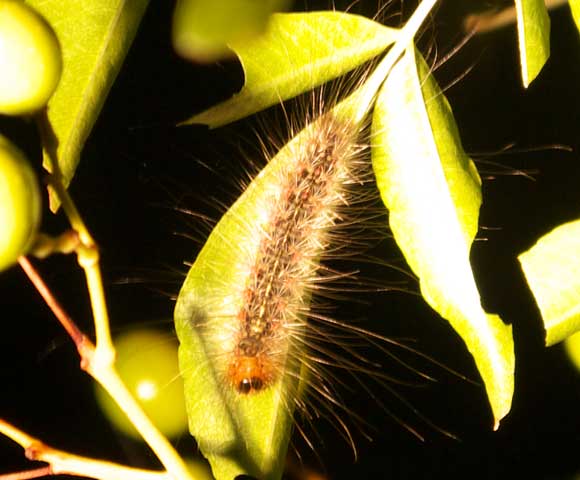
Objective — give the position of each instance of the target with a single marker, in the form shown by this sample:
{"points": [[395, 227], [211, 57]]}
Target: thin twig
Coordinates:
{"points": [[81, 341], [45, 245], [102, 369], [28, 474], [88, 258], [368, 91], [72, 213], [61, 462], [98, 360]]}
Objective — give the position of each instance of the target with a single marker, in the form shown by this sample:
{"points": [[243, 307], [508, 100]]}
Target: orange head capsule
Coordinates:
{"points": [[249, 374]]}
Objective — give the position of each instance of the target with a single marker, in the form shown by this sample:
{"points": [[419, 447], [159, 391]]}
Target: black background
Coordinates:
{"points": [[137, 167]]}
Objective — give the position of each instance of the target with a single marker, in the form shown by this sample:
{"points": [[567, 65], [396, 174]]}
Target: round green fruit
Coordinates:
{"points": [[20, 204], [147, 363], [30, 59]]}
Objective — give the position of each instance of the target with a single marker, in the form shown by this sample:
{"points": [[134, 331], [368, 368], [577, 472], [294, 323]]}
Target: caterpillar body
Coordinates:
{"points": [[284, 268]]}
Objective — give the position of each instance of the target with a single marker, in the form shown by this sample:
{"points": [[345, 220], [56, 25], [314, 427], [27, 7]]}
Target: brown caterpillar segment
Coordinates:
{"points": [[312, 189]]}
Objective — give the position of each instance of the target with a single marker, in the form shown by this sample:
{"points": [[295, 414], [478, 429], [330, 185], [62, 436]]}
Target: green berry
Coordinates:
{"points": [[30, 59], [20, 204], [147, 363]]}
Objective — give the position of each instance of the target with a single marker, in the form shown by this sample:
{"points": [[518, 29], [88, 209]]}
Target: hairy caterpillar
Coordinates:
{"points": [[303, 210]]}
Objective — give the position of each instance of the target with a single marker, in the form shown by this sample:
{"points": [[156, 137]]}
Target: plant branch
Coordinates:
{"points": [[98, 360], [369, 89], [70, 209], [79, 338], [61, 462], [28, 474], [45, 245], [88, 258], [102, 369]]}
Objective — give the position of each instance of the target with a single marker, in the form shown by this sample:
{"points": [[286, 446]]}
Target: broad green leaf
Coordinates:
{"points": [[575, 7], [298, 52], [433, 193], [533, 37], [202, 29], [552, 270], [95, 37], [238, 434]]}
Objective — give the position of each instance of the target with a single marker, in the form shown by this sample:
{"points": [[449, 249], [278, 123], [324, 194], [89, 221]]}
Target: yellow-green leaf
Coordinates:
{"points": [[575, 7], [572, 347], [238, 434], [298, 52], [433, 193], [202, 29], [552, 270], [95, 37], [533, 37]]}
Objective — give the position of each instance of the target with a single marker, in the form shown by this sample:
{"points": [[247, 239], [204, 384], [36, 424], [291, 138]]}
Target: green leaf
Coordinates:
{"points": [[433, 193], [238, 434], [552, 269], [533, 37], [94, 41], [572, 348], [575, 7], [298, 52], [202, 29]]}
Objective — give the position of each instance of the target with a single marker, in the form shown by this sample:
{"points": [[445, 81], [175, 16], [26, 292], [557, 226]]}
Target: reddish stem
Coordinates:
{"points": [[27, 474], [84, 346]]}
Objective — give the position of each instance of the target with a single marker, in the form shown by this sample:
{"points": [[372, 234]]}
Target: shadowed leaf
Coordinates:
{"points": [[95, 38]]}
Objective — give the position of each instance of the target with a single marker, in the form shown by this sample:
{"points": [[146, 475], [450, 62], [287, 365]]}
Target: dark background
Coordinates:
{"points": [[138, 167]]}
